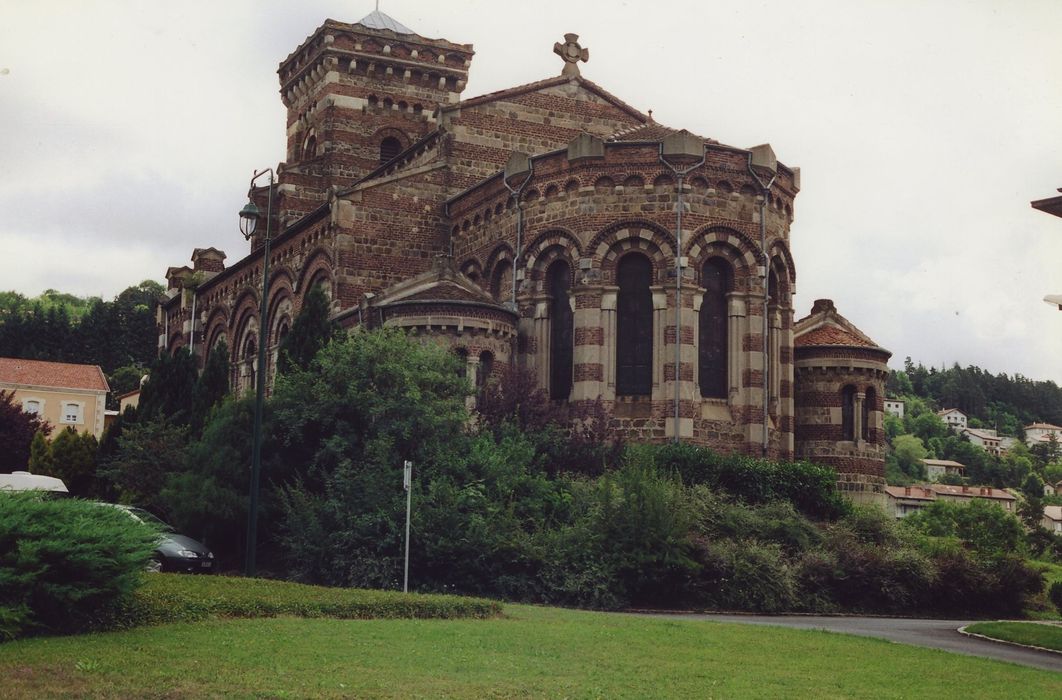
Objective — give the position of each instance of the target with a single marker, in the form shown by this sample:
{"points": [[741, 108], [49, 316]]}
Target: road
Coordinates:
{"points": [[937, 634]]}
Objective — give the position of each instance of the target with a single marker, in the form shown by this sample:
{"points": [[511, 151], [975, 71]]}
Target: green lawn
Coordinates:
{"points": [[529, 652], [1038, 635]]}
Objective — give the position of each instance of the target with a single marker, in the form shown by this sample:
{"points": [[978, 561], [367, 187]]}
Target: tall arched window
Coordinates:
{"points": [[561, 330], [869, 403], [486, 366], [712, 328], [501, 282], [848, 413], [389, 148], [250, 357], [634, 327]]}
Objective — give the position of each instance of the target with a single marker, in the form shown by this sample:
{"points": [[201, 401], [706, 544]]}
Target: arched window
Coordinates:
{"points": [[250, 352], [309, 148], [634, 327], [848, 413], [869, 402], [712, 328], [501, 281], [389, 148], [486, 366], [561, 330]]}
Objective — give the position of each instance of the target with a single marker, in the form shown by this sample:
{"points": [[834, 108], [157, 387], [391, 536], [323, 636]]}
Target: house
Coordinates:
{"points": [[536, 227], [987, 440], [936, 468], [904, 500], [965, 494], [955, 419], [1052, 520], [62, 393], [1039, 432], [129, 399], [894, 407]]}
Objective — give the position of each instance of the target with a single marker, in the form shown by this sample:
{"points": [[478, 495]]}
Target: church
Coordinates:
{"points": [[552, 227]]}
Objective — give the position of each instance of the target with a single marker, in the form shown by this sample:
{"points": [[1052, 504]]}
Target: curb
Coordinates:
{"points": [[962, 631]]}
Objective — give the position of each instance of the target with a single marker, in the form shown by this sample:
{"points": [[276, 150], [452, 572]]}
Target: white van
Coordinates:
{"points": [[24, 481]]}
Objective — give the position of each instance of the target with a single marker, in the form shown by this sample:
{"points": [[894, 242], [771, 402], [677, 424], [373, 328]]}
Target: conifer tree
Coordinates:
{"points": [[310, 332]]}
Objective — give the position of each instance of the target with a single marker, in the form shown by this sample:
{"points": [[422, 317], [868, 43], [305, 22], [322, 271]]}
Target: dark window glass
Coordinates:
{"points": [[561, 330], [634, 327], [486, 366], [848, 413], [389, 148], [712, 340], [868, 406]]}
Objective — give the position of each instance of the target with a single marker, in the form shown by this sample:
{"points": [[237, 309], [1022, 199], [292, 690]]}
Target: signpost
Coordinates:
{"points": [[407, 482]]}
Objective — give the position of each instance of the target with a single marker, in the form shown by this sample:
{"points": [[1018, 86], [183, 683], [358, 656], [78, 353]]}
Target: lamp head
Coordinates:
{"points": [[249, 220]]}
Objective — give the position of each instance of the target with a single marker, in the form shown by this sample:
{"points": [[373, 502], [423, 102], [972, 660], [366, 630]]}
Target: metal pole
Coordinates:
{"points": [[261, 379], [407, 482]]}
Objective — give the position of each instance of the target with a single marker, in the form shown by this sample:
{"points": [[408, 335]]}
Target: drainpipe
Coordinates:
{"points": [[515, 194], [679, 174], [763, 156]]}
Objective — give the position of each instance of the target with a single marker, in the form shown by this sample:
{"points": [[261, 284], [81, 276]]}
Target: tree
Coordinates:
{"points": [[311, 331], [74, 460], [985, 527], [40, 461], [169, 391], [909, 452], [17, 429], [148, 452], [212, 385]]}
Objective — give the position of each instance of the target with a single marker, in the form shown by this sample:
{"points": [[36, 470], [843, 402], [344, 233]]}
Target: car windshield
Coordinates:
{"points": [[150, 519]]}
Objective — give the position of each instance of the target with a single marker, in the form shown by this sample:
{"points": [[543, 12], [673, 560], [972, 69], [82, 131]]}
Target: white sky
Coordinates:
{"points": [[923, 128]]}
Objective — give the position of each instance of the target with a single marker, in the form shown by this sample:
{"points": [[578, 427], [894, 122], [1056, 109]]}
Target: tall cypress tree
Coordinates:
{"points": [[310, 332]]}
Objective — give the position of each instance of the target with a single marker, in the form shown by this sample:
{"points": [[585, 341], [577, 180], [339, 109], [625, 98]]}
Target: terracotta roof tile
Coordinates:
{"points": [[445, 292], [57, 375], [653, 131], [830, 335]]}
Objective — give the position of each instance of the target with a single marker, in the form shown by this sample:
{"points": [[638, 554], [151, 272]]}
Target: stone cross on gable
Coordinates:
{"points": [[572, 53]]}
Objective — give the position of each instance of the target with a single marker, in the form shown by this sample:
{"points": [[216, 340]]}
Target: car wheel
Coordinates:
{"points": [[155, 565]]}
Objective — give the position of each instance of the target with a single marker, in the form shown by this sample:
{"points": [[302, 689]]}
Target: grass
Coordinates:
{"points": [[181, 598], [531, 652], [1035, 634]]}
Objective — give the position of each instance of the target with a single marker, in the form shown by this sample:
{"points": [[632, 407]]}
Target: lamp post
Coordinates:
{"points": [[248, 223]]}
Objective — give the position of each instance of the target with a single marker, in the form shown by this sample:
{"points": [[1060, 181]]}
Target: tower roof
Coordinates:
{"points": [[379, 20], [825, 327]]}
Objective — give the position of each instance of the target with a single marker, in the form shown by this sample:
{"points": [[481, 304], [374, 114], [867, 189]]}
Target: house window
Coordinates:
{"points": [[634, 327], [848, 413], [71, 413], [712, 330], [389, 148], [561, 330], [32, 406]]}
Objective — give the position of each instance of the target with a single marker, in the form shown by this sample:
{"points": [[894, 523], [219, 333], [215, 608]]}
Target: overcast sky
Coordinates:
{"points": [[923, 128]]}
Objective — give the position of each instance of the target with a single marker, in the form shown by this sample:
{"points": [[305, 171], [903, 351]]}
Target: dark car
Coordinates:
{"points": [[175, 552]]}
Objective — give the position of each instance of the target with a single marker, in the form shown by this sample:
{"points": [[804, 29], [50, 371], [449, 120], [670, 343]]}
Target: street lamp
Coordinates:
{"points": [[248, 223]]}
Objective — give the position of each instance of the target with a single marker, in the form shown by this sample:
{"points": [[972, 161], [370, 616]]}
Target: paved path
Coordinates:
{"points": [[938, 634]]}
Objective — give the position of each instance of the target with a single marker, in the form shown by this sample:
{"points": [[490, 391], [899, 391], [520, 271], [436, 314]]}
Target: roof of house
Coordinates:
{"points": [[920, 493], [946, 411], [943, 463], [1042, 426], [982, 434], [55, 375], [972, 492], [1053, 512]]}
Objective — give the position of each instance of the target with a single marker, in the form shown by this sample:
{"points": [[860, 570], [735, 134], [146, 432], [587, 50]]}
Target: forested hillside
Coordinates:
{"points": [[998, 401], [118, 335], [995, 402]]}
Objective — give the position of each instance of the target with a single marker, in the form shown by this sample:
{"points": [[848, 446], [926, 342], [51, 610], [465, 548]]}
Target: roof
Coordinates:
{"points": [[946, 411], [1042, 426], [1051, 205], [55, 375], [1053, 512], [650, 131], [518, 90], [379, 20], [441, 284], [943, 463], [972, 492], [445, 290], [982, 434], [825, 327], [920, 493]]}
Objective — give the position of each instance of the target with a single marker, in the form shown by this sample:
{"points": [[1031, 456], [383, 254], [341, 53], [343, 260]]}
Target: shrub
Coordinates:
{"points": [[744, 575], [1055, 594], [984, 527], [63, 563]]}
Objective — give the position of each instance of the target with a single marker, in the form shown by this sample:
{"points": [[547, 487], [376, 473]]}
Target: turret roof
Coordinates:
{"points": [[379, 20]]}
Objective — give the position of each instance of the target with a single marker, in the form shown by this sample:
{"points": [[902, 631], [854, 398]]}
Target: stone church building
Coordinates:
{"points": [[549, 226]]}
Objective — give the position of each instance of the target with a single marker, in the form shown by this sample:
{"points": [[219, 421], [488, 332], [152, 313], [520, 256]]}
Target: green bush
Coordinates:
{"points": [[745, 575], [1055, 594], [63, 563], [168, 598]]}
